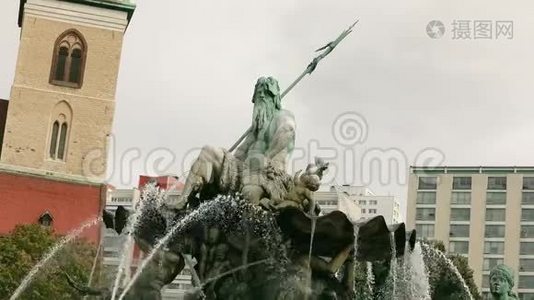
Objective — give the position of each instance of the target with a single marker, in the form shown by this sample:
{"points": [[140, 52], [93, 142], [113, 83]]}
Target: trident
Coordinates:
{"points": [[309, 69]]}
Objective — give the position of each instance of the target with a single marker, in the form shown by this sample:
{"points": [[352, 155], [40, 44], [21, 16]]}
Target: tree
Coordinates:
{"points": [[25, 246], [444, 282]]}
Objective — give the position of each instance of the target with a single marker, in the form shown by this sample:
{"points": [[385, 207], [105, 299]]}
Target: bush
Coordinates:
{"points": [[25, 246]]}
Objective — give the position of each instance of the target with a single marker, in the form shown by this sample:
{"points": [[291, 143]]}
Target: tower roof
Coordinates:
{"points": [[127, 6]]}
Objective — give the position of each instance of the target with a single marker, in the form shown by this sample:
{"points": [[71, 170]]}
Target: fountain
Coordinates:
{"points": [[239, 209], [255, 232], [438, 256]]}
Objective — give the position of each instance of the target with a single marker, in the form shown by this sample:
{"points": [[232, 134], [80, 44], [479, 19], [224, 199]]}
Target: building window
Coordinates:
{"points": [[527, 198], [111, 252], [526, 296], [527, 215], [425, 231], [68, 60], [425, 214], [321, 202], [462, 198], [426, 198], [490, 263], [112, 241], [526, 281], [495, 198], [460, 214], [362, 202], [493, 247], [497, 183], [495, 214], [373, 202], [363, 210], [494, 231], [372, 211], [527, 231], [459, 247], [528, 183], [461, 183], [459, 231], [58, 138], [428, 183], [526, 248], [485, 281], [526, 265]]}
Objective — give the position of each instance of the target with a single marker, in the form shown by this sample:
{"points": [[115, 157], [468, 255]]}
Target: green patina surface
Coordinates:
{"points": [[127, 6], [501, 281]]}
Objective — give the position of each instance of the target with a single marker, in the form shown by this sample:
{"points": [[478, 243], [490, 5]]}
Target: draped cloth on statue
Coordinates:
{"points": [[234, 175]]}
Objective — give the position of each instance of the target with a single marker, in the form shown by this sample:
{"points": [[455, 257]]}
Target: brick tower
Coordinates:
{"points": [[59, 117]]}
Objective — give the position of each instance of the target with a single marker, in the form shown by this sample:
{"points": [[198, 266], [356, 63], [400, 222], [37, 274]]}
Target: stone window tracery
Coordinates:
{"points": [[68, 62]]}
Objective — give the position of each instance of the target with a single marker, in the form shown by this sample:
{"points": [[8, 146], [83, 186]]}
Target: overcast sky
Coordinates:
{"points": [[188, 70]]}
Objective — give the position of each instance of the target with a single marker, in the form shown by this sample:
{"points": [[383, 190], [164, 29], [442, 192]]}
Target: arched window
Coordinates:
{"points": [[68, 61], [58, 138], [46, 219], [59, 130]]}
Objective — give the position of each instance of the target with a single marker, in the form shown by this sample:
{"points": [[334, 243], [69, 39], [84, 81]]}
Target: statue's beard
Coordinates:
{"points": [[262, 116]]}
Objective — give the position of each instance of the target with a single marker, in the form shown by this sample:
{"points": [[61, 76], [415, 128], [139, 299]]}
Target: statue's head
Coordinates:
{"points": [[267, 89], [501, 281], [266, 101], [213, 235]]}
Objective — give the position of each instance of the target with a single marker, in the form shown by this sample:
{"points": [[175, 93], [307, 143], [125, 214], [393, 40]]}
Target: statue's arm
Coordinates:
{"points": [[202, 263], [241, 151], [284, 137]]}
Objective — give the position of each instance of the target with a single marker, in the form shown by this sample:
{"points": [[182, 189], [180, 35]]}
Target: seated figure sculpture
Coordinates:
{"points": [[266, 147]]}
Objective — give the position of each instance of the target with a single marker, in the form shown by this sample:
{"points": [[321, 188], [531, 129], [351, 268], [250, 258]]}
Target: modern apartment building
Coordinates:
{"points": [[363, 199], [330, 199], [484, 213]]}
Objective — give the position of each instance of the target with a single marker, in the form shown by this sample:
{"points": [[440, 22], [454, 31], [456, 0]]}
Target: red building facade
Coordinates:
{"points": [[25, 198]]}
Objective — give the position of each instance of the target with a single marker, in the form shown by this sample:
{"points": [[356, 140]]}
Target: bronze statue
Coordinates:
{"points": [[300, 192], [269, 143], [501, 281], [272, 217]]}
